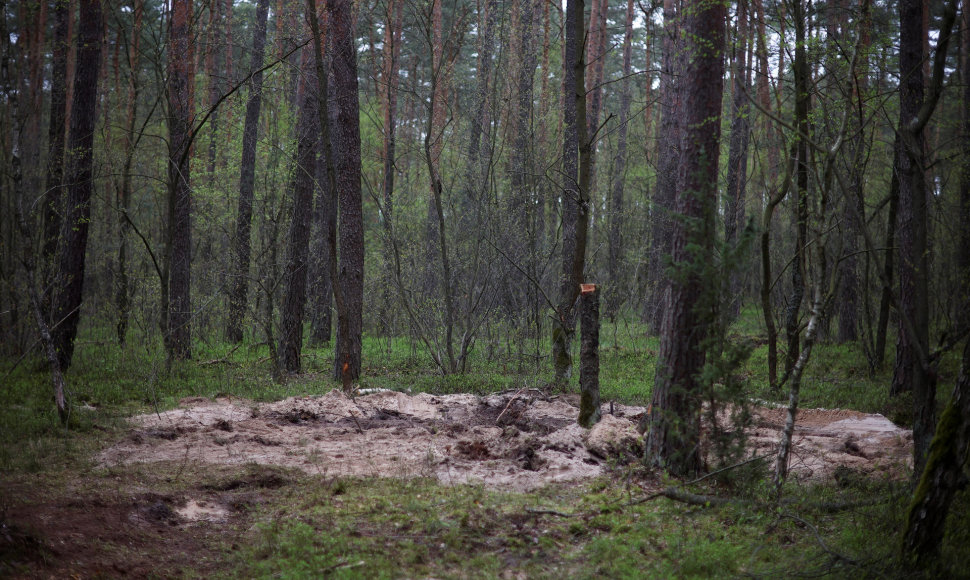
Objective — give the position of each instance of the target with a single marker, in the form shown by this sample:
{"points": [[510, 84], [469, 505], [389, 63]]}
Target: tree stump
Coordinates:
{"points": [[589, 370]]}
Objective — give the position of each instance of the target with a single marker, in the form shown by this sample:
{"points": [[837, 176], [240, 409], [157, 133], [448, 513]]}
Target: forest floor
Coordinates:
{"points": [[216, 484]]}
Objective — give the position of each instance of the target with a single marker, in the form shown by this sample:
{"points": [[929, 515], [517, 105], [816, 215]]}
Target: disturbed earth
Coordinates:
{"points": [[516, 441], [174, 486]]}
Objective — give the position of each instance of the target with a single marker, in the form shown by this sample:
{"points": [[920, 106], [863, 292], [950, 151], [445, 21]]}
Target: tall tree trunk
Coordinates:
{"points": [[347, 135], [324, 220], [575, 197], [390, 76], [855, 158], [31, 33], [668, 140], [123, 300], [57, 130], [913, 370], [520, 205], [434, 143], [320, 282], [14, 180], [298, 245], [926, 520], [596, 60], [326, 283], [737, 171], [543, 196], [889, 268], [479, 129], [227, 38], [177, 300], [963, 256], [214, 58], [615, 290], [800, 215], [764, 82], [911, 232], [648, 85], [849, 288], [79, 178], [673, 427], [71, 62], [239, 285]]}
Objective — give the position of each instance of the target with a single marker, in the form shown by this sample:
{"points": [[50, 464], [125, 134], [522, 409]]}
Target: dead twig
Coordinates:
{"points": [[514, 397], [821, 543], [359, 428], [222, 360], [728, 468], [541, 511]]}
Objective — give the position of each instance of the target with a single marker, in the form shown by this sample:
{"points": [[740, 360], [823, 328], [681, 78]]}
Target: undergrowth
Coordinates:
{"points": [[380, 528]]}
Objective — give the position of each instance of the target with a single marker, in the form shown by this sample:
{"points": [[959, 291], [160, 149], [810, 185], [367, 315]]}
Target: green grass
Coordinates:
{"points": [[382, 528], [388, 529], [108, 381]]}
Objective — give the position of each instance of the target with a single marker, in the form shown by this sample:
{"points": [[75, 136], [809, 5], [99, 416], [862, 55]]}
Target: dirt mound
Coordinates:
{"points": [[515, 441], [829, 441]]}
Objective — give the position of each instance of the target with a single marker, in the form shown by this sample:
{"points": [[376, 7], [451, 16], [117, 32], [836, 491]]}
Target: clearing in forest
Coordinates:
{"points": [[515, 441]]}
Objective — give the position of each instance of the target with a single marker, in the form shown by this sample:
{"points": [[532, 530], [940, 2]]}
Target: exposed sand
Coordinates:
{"points": [[515, 441]]}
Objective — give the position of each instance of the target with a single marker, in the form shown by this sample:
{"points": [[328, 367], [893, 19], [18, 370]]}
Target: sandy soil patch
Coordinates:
{"points": [[515, 441], [827, 439]]}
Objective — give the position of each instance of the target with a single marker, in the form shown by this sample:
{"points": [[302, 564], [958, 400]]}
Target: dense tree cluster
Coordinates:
{"points": [[263, 171]]}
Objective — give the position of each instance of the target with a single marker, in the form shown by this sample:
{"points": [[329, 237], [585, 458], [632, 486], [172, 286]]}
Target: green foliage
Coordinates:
{"points": [[382, 529], [378, 528]]}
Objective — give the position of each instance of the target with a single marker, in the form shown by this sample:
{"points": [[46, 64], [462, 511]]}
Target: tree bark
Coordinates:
{"points": [[390, 77], [348, 166], [913, 368], [912, 347], [889, 269], [928, 510], [57, 129], [764, 81], [320, 282], [543, 197], [214, 57], [615, 291], [122, 297], [596, 60], [434, 241], [849, 289], [668, 154], [479, 130], [673, 436], [575, 200], [521, 206], [963, 256], [800, 215], [79, 178], [177, 298], [227, 52], [784, 445], [589, 381], [239, 284], [14, 174], [298, 245], [737, 177]]}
